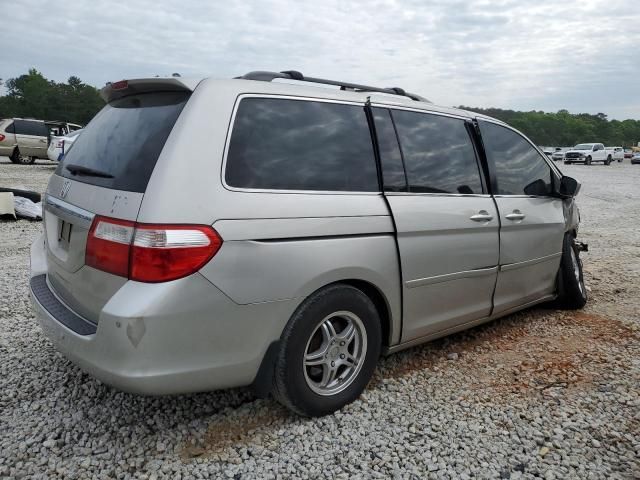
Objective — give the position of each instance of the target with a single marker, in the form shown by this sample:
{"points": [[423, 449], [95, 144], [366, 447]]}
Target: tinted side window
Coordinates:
{"points": [[285, 144], [10, 128], [26, 127], [438, 153], [393, 176], [519, 168]]}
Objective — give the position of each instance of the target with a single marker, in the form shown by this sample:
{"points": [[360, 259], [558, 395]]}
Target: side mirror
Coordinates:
{"points": [[569, 187]]}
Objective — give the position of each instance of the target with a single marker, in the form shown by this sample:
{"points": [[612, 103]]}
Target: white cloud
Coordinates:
{"points": [[520, 54]]}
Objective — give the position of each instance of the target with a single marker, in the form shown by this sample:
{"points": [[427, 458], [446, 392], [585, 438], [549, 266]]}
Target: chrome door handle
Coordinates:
{"points": [[515, 215], [482, 216]]}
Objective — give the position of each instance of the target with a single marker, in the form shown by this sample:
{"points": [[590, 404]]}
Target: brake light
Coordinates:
{"points": [[120, 85], [2, 137], [60, 144], [150, 253], [108, 245]]}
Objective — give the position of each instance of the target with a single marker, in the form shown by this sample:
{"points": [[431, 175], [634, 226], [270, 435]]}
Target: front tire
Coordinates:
{"points": [[572, 293], [329, 350], [588, 161]]}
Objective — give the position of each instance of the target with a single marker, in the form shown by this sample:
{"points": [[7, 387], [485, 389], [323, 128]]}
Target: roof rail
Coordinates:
{"points": [[263, 76]]}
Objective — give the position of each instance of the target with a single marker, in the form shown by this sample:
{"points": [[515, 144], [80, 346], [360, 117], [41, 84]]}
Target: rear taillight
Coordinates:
{"points": [[2, 137], [149, 253], [60, 144]]}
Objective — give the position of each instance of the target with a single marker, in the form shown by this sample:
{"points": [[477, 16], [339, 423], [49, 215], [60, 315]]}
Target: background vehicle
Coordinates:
{"points": [[548, 152], [628, 153], [635, 158], [588, 153], [23, 140], [302, 247], [617, 153], [558, 154], [61, 129], [59, 145]]}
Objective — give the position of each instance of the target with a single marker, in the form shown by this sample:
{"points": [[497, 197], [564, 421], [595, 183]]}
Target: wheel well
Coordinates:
{"points": [[380, 303]]}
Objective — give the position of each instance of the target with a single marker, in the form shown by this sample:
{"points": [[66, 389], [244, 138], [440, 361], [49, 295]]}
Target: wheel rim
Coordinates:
{"points": [[335, 353], [576, 270]]}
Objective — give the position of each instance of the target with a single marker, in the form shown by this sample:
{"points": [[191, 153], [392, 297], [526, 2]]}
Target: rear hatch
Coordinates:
{"points": [[105, 173]]}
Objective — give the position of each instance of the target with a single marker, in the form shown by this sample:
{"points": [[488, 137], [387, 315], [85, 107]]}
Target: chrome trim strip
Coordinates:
{"points": [[425, 194], [395, 106], [69, 211], [526, 263], [447, 277]]}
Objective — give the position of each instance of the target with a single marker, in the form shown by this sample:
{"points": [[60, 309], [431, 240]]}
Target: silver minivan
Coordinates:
{"points": [[284, 231]]}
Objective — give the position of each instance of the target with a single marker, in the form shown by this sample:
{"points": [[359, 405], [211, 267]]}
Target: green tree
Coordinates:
{"points": [[33, 96]]}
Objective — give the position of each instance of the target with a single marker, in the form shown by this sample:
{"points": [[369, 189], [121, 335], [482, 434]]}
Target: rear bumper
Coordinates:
{"points": [[176, 337]]}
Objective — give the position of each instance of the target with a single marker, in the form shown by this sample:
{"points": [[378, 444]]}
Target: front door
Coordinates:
{"points": [[532, 220], [446, 223]]}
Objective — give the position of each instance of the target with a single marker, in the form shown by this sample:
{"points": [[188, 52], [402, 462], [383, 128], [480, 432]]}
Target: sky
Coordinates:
{"points": [[583, 56]]}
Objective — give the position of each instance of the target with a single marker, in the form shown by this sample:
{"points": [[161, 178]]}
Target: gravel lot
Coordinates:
{"points": [[543, 393]]}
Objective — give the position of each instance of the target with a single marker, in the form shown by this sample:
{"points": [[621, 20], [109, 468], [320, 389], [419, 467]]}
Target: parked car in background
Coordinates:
{"points": [[558, 154], [300, 250], [60, 145], [24, 140], [548, 152], [635, 158], [628, 153], [617, 153], [60, 129], [588, 153]]}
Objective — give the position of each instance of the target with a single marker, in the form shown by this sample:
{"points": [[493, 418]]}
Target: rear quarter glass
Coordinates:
{"points": [[125, 140]]}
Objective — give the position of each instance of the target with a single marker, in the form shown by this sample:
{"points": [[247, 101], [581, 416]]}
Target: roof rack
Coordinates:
{"points": [[263, 76]]}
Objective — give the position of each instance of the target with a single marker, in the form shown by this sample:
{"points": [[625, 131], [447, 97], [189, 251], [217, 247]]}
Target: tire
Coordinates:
{"points": [[572, 293], [322, 318], [608, 160], [31, 195], [17, 157], [588, 161]]}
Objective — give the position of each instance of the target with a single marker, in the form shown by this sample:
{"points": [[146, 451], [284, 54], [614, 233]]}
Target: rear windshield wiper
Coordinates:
{"points": [[91, 172]]}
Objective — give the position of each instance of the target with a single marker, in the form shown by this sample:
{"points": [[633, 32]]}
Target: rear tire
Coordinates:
{"points": [[572, 292], [17, 157], [329, 350], [608, 161]]}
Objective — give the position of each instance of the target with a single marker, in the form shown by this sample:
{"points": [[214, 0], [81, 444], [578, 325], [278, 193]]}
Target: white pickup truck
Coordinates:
{"points": [[588, 153]]}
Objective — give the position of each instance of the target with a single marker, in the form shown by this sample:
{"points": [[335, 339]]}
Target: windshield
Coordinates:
{"points": [[583, 146], [124, 140]]}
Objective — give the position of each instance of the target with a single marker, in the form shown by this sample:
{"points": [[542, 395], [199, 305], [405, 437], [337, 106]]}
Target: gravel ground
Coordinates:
{"points": [[542, 393]]}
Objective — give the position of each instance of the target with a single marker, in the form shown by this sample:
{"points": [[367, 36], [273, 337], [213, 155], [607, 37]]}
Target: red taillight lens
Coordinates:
{"points": [[2, 137], [167, 252], [108, 245], [150, 253], [60, 144]]}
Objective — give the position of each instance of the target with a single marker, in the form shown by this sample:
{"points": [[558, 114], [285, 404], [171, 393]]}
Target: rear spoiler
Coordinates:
{"points": [[124, 88]]}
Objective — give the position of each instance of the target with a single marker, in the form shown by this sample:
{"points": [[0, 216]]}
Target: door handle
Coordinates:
{"points": [[482, 216], [515, 215]]}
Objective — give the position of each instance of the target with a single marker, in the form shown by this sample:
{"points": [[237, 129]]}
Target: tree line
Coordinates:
{"points": [[564, 129], [33, 96]]}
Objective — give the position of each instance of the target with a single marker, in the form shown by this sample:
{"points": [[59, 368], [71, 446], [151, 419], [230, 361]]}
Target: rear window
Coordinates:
{"points": [[124, 140], [281, 144]]}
